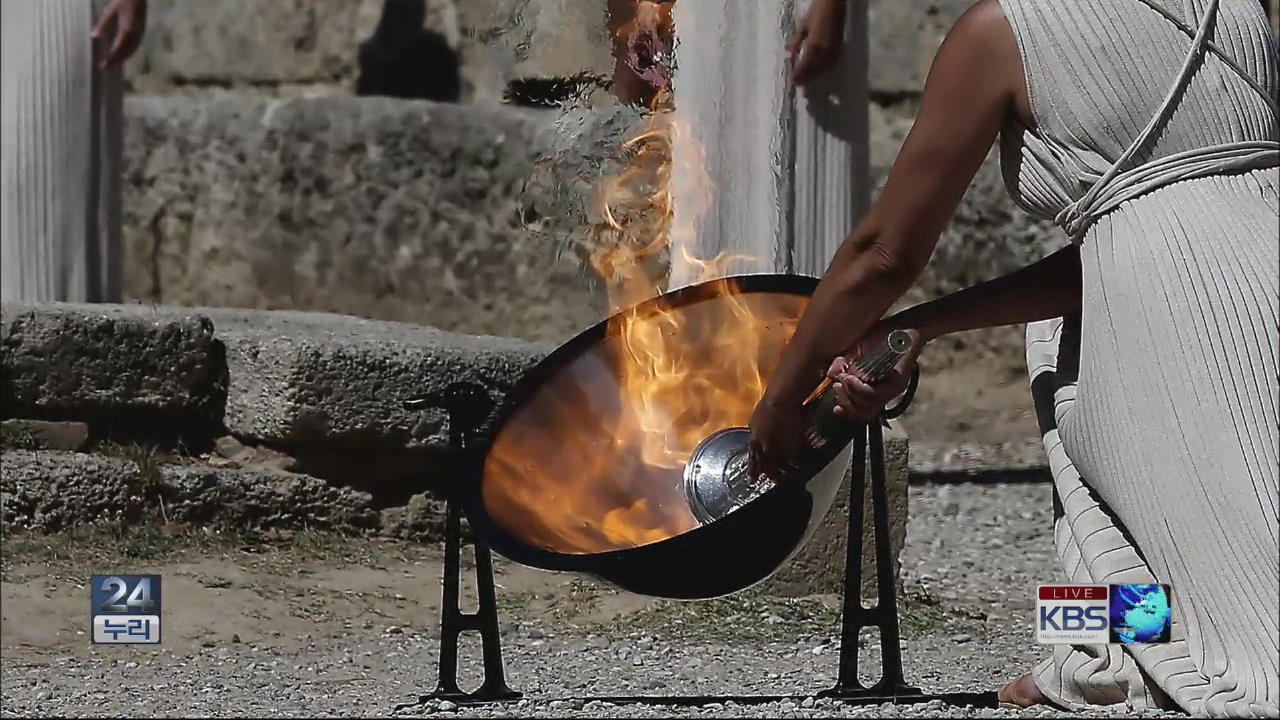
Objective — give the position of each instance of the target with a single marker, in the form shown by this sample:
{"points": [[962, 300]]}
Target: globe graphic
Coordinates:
{"points": [[1140, 614]]}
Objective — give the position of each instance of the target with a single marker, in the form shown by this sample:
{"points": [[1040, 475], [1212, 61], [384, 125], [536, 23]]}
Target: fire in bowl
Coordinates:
{"points": [[586, 471]]}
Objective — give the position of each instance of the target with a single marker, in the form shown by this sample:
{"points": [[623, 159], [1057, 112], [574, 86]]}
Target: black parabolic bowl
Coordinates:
{"points": [[558, 491]]}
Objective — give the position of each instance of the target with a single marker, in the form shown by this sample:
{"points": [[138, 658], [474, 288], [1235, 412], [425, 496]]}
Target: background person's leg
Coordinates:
{"points": [[48, 126], [104, 245]]}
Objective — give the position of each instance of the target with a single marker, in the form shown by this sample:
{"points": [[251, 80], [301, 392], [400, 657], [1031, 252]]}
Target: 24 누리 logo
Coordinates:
{"points": [[1100, 614], [125, 609]]}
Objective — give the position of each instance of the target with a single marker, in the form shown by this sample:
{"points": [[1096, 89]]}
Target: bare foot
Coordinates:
{"points": [[1022, 692]]}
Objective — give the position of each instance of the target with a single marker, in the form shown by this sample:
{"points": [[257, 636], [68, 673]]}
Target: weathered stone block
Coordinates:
{"points": [[398, 210], [50, 491], [253, 42], [459, 217], [294, 378], [336, 381], [310, 47], [250, 500], [43, 435], [903, 38], [507, 40], [819, 566], [85, 361], [422, 519], [289, 45]]}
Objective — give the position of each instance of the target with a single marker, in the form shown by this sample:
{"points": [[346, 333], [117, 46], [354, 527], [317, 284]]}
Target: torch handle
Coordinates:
{"points": [[821, 422], [873, 365]]}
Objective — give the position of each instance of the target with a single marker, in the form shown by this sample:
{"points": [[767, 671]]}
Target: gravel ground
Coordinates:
{"points": [[973, 557]]}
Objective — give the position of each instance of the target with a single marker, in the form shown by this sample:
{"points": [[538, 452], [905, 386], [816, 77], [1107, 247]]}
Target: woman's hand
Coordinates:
{"points": [[819, 40], [127, 21], [775, 436], [857, 396]]}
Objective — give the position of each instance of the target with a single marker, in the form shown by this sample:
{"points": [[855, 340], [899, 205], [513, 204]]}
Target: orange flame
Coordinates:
{"points": [[593, 460]]}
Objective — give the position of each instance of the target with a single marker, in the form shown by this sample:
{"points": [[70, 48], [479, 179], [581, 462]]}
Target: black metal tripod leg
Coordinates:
{"points": [[466, 405], [853, 615], [869, 440], [892, 680], [495, 680], [451, 619]]}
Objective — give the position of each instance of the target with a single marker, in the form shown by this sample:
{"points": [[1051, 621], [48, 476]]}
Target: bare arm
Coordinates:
{"points": [[968, 95], [1047, 289]]}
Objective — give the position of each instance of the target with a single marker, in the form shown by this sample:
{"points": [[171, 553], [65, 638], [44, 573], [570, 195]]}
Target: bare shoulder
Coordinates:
{"points": [[982, 30], [982, 39]]}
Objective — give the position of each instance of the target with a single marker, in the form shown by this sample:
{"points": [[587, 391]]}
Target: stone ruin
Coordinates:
{"points": [[376, 247]]}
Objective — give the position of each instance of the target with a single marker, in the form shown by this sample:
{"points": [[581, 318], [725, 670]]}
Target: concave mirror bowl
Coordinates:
{"points": [[584, 472]]}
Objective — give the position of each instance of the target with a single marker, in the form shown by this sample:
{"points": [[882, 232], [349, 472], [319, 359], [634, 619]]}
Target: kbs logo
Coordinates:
{"points": [[1073, 615], [1100, 614]]}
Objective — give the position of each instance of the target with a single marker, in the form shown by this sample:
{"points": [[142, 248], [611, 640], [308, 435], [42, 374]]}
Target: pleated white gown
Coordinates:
{"points": [[769, 173], [60, 156], [1159, 402]]}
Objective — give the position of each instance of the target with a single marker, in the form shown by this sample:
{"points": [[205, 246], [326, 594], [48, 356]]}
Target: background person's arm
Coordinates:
{"points": [[121, 27]]}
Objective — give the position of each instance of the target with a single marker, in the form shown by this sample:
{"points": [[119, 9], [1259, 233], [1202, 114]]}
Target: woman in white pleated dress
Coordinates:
{"points": [[1147, 129]]}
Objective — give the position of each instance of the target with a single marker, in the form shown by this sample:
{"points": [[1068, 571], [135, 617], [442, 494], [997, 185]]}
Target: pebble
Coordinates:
{"points": [[586, 660]]}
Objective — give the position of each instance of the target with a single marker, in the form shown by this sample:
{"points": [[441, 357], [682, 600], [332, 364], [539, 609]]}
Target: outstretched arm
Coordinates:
{"points": [[971, 89], [1047, 289]]}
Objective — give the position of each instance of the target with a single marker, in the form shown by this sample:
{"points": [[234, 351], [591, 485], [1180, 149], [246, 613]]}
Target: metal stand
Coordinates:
{"points": [[468, 406], [856, 616]]}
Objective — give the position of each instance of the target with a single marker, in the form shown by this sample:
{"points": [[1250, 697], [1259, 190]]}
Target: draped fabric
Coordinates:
{"points": [[60, 157], [1155, 148], [772, 174]]}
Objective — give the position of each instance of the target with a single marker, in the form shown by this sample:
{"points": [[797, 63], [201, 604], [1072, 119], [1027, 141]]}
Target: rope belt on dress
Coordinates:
{"points": [[1115, 187]]}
